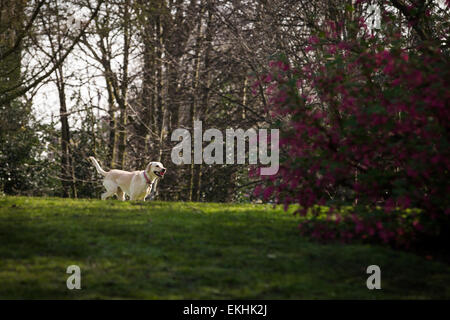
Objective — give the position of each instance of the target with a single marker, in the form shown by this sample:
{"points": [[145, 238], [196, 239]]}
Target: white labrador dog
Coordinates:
{"points": [[137, 184]]}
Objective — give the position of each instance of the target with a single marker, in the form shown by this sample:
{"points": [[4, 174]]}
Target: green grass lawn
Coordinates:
{"points": [[164, 250]]}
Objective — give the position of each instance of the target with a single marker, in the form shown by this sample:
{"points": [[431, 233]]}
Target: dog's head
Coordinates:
{"points": [[156, 168]]}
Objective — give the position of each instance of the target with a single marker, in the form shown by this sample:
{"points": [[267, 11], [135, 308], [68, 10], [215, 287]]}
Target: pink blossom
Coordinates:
{"points": [[417, 225]]}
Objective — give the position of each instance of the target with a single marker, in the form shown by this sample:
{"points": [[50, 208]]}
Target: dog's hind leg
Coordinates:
{"points": [[107, 194], [111, 189]]}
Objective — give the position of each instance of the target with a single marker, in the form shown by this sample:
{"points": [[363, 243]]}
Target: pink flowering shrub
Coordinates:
{"points": [[402, 228], [365, 123]]}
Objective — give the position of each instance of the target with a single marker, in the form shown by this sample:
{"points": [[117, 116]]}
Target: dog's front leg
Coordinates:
{"points": [[153, 193], [154, 189]]}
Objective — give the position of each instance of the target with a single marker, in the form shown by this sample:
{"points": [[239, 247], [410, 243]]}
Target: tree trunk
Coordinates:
{"points": [[124, 88], [159, 87], [205, 83], [148, 92], [67, 171], [193, 184], [112, 142]]}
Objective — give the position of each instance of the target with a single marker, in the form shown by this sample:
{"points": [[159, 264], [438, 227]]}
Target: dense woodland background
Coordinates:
{"points": [[129, 72]]}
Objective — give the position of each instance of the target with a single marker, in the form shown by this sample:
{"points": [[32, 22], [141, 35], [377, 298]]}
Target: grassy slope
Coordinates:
{"points": [[162, 250]]}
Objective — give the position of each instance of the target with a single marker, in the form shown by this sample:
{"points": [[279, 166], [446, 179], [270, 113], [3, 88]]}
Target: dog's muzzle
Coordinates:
{"points": [[160, 173]]}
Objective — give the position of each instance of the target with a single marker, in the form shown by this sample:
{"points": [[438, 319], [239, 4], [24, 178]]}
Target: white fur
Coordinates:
{"points": [[134, 184]]}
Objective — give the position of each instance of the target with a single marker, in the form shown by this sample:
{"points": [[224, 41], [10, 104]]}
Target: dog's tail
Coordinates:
{"points": [[97, 166]]}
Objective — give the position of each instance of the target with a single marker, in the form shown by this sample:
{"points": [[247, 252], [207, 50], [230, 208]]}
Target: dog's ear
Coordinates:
{"points": [[147, 168]]}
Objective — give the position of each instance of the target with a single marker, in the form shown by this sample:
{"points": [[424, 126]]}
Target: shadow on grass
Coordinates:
{"points": [[191, 251]]}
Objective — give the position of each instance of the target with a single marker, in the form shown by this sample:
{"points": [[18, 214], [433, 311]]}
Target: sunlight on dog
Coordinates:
{"points": [[136, 184]]}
